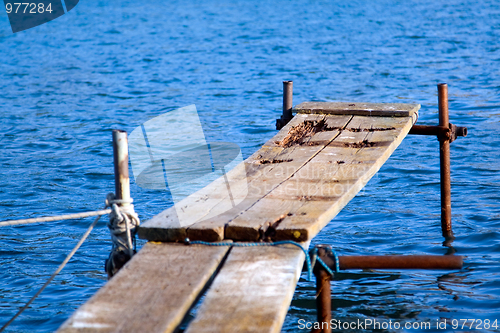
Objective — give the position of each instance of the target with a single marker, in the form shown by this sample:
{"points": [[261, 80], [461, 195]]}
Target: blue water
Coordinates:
{"points": [[116, 64]]}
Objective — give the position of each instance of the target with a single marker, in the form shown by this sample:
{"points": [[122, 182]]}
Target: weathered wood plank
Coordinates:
{"points": [[303, 204], [265, 177], [296, 178], [151, 293], [252, 291], [265, 170], [166, 226], [210, 201], [358, 109], [352, 176]]}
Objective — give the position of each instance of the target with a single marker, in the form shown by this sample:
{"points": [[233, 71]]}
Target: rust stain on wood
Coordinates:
{"points": [[297, 134], [273, 161], [360, 144]]}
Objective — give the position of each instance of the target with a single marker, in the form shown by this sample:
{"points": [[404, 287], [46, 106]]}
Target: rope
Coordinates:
{"points": [[68, 257], [308, 259], [314, 255], [55, 218], [311, 256], [122, 224]]}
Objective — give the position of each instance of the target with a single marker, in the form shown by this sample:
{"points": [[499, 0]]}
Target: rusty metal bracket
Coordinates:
{"points": [[441, 132], [387, 261]]}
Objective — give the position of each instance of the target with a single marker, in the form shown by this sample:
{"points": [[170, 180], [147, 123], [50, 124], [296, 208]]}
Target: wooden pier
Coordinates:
{"points": [[295, 184]]}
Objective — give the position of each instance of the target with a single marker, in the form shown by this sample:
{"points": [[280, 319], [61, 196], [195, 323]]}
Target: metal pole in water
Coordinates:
{"points": [[323, 301], [120, 155], [444, 159], [323, 296]]}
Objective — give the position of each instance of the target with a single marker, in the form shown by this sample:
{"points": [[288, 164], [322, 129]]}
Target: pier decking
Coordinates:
{"points": [[294, 185], [299, 180]]}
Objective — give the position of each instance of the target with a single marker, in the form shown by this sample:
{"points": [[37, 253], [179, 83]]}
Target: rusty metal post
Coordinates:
{"points": [[323, 295], [323, 301], [287, 105], [120, 157], [446, 133], [444, 158], [287, 100]]}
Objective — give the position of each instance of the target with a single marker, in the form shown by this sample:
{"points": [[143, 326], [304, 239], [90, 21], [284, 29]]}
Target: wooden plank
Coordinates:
{"points": [[151, 293], [303, 204], [166, 225], [210, 201], [352, 175], [252, 291], [334, 160], [358, 109], [265, 177], [264, 171]]}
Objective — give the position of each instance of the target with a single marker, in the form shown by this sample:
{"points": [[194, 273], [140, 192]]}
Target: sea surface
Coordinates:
{"points": [[116, 64]]}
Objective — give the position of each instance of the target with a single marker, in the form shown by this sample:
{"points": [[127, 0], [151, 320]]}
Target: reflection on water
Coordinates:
{"points": [[103, 65]]}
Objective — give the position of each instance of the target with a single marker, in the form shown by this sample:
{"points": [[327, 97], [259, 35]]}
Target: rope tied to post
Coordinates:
{"points": [[122, 224], [313, 253]]}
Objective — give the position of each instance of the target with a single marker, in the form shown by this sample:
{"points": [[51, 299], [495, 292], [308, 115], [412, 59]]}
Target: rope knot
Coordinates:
{"points": [[123, 223], [328, 251]]}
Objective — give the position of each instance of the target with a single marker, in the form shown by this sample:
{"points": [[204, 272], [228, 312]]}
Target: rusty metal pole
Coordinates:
{"points": [[324, 301], [444, 158], [287, 105], [323, 295], [120, 156], [397, 262], [392, 262], [287, 100]]}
